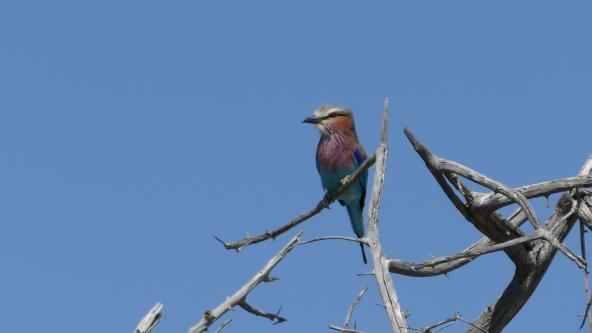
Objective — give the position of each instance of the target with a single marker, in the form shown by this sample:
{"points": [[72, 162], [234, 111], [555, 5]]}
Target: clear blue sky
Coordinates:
{"points": [[132, 132]]}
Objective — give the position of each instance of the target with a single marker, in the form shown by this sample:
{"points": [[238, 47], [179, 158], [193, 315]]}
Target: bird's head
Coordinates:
{"points": [[330, 119]]}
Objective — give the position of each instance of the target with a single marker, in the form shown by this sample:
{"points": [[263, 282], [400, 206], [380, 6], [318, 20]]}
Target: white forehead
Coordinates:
{"points": [[326, 109]]}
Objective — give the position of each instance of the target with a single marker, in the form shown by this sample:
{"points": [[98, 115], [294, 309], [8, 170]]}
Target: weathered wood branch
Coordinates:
{"points": [[445, 264], [381, 272], [239, 297], [532, 255], [327, 200], [528, 275], [352, 307], [494, 201], [439, 166], [151, 319]]}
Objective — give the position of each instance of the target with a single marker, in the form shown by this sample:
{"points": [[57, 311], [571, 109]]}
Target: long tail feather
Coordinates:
{"points": [[363, 254], [357, 222]]}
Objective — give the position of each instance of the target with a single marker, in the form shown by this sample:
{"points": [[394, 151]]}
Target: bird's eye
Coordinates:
{"points": [[333, 115]]}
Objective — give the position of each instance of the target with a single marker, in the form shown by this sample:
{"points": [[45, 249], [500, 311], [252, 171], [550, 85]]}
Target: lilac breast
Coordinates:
{"points": [[335, 151]]}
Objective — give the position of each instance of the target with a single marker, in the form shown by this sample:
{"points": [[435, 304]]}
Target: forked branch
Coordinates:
{"points": [[239, 297]]}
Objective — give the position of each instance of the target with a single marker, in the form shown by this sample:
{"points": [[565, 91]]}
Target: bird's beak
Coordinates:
{"points": [[311, 120]]}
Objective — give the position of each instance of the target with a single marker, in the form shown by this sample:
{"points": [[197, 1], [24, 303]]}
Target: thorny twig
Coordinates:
{"points": [[239, 297]]}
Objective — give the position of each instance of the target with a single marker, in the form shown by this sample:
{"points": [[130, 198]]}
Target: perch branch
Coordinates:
{"points": [[151, 319], [239, 296], [350, 239], [328, 198]]}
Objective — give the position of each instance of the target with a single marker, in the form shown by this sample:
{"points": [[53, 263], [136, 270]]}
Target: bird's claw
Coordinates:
{"points": [[325, 202], [345, 179]]}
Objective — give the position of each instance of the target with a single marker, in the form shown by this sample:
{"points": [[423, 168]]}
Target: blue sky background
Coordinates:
{"points": [[133, 132]]}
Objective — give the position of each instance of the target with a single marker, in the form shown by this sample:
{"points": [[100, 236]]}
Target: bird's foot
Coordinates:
{"points": [[325, 202], [345, 179]]}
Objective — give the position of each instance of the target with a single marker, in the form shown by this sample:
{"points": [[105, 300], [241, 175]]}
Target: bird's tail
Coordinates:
{"points": [[357, 222], [363, 254]]}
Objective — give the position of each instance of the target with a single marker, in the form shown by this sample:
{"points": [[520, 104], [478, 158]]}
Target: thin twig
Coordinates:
{"points": [[344, 330], [240, 295], [450, 320], [219, 330], [351, 239], [275, 317], [586, 279], [350, 311]]}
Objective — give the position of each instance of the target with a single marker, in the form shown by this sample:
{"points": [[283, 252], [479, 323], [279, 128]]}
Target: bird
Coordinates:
{"points": [[339, 154]]}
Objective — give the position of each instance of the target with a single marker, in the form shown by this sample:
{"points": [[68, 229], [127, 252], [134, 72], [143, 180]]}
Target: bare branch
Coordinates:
{"points": [[275, 317], [151, 319], [343, 329], [494, 201], [445, 264], [351, 239], [452, 319], [350, 311], [329, 198], [529, 274], [432, 162], [381, 273], [239, 296], [438, 165]]}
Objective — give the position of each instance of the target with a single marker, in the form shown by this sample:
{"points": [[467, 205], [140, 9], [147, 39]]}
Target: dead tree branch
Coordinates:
{"points": [[352, 307], [344, 330], [239, 297], [532, 254], [381, 272], [445, 264], [151, 319]]}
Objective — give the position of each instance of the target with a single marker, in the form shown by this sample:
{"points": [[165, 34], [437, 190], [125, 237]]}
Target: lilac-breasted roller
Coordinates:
{"points": [[339, 154]]}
